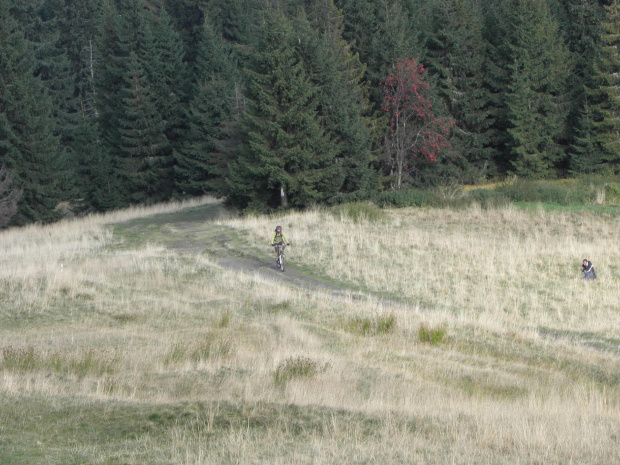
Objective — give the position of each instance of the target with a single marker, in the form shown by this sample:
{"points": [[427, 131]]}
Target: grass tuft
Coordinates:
{"points": [[297, 368], [366, 326], [432, 336]]}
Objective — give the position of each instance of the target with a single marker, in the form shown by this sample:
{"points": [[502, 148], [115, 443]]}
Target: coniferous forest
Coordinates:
{"points": [[111, 103]]}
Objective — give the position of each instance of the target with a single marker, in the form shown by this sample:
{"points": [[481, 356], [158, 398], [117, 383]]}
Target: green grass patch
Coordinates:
{"points": [[81, 364], [431, 335], [371, 326]]}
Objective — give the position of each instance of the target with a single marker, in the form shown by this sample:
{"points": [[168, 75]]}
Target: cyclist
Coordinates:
{"points": [[278, 237], [588, 269]]}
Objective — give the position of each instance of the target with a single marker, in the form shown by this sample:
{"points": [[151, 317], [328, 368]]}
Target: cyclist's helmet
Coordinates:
{"points": [[278, 228]]}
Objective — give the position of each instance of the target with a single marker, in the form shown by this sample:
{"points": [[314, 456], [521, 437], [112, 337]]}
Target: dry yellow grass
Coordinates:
{"points": [[526, 369]]}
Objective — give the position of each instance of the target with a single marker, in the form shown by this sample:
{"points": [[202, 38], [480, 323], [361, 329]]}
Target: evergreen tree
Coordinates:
{"points": [[585, 155], [145, 153], [236, 20], [455, 50], [132, 126], [167, 75], [285, 157], [188, 18], [529, 64], [9, 195], [342, 101], [101, 189], [381, 31], [29, 148], [201, 164], [606, 96]]}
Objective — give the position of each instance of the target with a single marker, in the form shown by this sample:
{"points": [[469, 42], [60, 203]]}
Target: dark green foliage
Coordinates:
{"points": [[455, 49], [9, 196], [167, 75], [341, 102], [101, 189], [583, 32], [585, 154], [382, 32], [29, 148], [145, 152], [129, 101], [286, 157], [132, 97], [202, 160], [528, 67], [606, 96]]}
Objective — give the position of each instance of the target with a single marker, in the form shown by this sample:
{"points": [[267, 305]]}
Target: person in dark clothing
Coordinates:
{"points": [[588, 269]]}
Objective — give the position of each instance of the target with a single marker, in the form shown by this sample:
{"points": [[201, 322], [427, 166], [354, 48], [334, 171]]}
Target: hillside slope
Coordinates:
{"points": [[166, 336]]}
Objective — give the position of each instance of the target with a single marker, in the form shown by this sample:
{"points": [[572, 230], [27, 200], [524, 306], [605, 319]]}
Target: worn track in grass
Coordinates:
{"points": [[194, 231]]}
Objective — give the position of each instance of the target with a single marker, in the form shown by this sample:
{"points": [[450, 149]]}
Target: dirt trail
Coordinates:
{"points": [[193, 233]]}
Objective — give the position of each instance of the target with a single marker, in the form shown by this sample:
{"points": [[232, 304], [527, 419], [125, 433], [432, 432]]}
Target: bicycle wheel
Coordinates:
{"points": [[281, 261]]}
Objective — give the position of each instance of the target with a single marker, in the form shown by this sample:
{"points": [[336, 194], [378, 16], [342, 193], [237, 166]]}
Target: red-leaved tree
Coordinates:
{"points": [[415, 134]]}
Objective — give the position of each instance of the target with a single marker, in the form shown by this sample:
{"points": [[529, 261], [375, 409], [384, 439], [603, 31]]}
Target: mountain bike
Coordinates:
{"points": [[280, 251]]}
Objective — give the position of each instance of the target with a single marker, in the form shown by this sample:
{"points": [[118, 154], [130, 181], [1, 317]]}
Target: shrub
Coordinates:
{"points": [[296, 368], [382, 324], [432, 336], [612, 192]]}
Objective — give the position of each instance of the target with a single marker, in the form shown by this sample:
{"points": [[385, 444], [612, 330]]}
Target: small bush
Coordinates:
{"points": [[612, 192], [296, 368], [382, 324], [432, 336], [386, 324]]}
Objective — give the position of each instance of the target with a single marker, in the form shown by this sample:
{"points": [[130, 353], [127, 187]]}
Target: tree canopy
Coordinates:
{"points": [[278, 103]]}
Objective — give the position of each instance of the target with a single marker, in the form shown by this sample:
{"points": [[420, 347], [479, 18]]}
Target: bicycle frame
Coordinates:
{"points": [[280, 251]]}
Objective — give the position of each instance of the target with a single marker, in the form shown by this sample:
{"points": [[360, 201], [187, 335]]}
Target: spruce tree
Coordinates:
{"points": [[201, 163], [144, 151], [342, 101], [132, 126], [585, 154], [167, 75], [583, 32], [455, 50], [606, 96], [285, 158], [528, 64], [30, 149]]}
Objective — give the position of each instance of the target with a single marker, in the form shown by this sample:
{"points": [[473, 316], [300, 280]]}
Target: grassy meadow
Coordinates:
{"points": [[441, 336]]}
